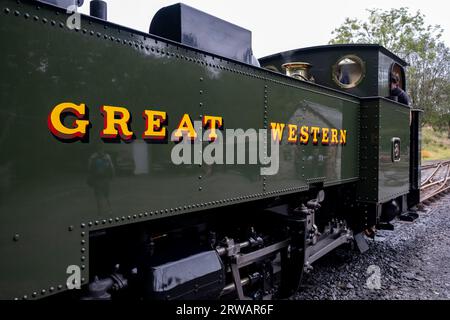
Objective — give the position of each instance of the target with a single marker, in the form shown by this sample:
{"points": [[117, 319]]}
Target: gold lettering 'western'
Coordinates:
{"points": [[292, 130], [343, 139], [325, 138], [334, 136], [277, 131], [304, 134], [315, 133]]}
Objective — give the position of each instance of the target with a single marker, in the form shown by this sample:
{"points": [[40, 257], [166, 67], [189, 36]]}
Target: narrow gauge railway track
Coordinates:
{"points": [[435, 179]]}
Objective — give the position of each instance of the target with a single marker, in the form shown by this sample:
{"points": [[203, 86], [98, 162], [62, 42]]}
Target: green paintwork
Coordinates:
{"points": [[381, 178], [44, 194], [305, 164], [393, 176]]}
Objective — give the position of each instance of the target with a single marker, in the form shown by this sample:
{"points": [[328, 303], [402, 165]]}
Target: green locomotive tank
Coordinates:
{"points": [[92, 198]]}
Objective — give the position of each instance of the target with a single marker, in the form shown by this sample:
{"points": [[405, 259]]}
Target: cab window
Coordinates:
{"points": [[349, 71], [400, 72]]}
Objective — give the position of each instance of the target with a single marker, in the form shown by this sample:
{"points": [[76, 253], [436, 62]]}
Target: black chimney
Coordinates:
{"points": [[99, 9]]}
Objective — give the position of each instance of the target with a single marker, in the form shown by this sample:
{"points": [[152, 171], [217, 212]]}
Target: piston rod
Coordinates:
{"points": [[232, 287], [223, 250]]}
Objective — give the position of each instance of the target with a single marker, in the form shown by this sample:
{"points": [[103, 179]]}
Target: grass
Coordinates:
{"points": [[435, 144]]}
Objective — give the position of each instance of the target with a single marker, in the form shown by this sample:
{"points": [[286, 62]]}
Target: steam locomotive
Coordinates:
{"points": [[93, 204]]}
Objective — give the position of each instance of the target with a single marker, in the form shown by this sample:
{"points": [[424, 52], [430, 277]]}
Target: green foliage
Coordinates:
{"points": [[435, 145], [407, 35]]}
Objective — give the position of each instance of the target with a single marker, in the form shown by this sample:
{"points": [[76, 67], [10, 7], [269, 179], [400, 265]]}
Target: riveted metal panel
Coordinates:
{"points": [[238, 97], [382, 178], [44, 181], [393, 175], [369, 142], [301, 165]]}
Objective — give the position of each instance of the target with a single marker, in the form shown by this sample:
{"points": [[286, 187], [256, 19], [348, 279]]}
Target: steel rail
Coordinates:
{"points": [[432, 165], [432, 174], [440, 184]]}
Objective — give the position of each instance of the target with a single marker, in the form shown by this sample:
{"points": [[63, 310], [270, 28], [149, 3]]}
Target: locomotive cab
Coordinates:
{"points": [[363, 70]]}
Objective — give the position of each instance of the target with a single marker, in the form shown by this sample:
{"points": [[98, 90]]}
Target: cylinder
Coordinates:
{"points": [[99, 9]]}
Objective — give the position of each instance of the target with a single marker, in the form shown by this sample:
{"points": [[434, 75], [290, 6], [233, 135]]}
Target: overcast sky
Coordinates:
{"points": [[278, 25]]}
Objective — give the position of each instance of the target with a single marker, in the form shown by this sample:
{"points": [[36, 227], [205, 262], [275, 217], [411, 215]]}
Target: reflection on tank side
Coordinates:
{"points": [[318, 159], [331, 156], [100, 173], [141, 158]]}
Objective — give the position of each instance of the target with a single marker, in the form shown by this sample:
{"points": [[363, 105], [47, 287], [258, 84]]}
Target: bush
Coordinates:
{"points": [[426, 154]]}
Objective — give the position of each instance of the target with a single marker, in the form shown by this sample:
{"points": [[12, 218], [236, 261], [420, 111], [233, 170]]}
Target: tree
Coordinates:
{"points": [[408, 36]]}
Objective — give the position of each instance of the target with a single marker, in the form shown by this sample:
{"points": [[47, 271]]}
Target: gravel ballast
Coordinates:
{"points": [[410, 263]]}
